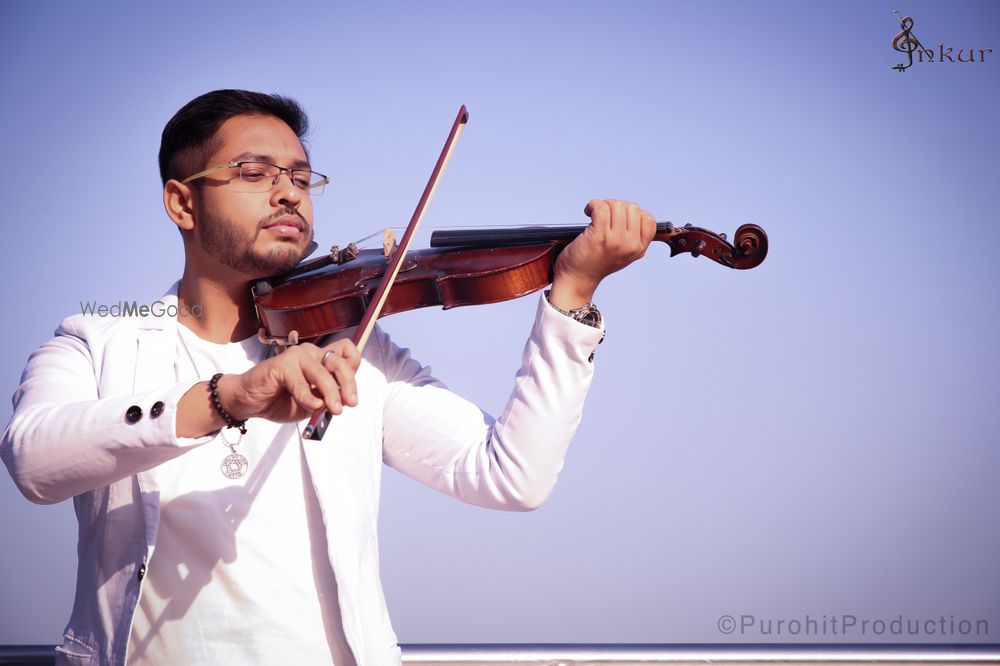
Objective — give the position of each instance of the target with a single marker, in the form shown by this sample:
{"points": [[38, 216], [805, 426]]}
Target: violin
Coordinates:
{"points": [[462, 267]]}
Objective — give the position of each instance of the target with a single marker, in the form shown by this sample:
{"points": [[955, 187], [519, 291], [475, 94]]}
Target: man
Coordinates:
{"points": [[210, 531]]}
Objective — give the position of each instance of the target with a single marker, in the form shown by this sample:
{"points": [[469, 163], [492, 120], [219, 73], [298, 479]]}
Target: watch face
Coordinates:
{"points": [[590, 316]]}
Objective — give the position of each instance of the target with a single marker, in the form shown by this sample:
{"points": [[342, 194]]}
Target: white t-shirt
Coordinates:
{"points": [[240, 572]]}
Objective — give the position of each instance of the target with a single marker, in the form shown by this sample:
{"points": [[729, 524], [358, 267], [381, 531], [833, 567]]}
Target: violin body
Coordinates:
{"points": [[330, 301], [467, 268]]}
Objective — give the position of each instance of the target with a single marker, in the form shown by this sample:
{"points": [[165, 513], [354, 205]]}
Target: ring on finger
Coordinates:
{"points": [[322, 361]]}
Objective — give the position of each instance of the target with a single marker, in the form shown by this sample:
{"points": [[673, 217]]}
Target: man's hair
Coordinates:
{"points": [[191, 136]]}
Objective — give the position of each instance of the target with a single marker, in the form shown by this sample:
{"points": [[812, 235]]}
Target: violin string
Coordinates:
{"points": [[381, 231]]}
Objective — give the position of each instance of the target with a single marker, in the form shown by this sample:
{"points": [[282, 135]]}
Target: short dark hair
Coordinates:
{"points": [[190, 137]]}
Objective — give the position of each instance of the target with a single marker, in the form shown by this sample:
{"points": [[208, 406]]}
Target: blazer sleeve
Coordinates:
{"points": [[64, 438], [511, 462]]}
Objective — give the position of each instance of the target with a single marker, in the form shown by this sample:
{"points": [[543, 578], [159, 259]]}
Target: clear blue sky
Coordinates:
{"points": [[818, 436]]}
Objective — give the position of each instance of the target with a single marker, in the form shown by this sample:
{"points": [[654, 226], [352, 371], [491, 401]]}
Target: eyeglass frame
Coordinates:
{"points": [[236, 164]]}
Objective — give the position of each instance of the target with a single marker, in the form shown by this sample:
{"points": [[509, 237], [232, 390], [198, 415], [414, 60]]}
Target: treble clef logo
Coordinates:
{"points": [[905, 42]]}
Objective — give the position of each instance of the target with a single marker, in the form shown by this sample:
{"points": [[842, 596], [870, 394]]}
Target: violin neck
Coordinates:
{"points": [[507, 236]]}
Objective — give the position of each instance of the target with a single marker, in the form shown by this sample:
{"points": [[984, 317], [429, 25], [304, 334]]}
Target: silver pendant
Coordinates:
{"points": [[234, 465]]}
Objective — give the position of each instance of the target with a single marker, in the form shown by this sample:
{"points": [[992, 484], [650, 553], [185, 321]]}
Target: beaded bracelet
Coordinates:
{"points": [[213, 386]]}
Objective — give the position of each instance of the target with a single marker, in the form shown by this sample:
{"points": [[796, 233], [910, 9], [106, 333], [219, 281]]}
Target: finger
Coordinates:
{"points": [[342, 359], [619, 215], [343, 374], [633, 220], [648, 228], [288, 373], [301, 392], [323, 384], [348, 351], [596, 209]]}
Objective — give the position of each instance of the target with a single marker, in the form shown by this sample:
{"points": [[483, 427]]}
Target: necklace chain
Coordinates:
{"points": [[234, 465], [187, 351]]}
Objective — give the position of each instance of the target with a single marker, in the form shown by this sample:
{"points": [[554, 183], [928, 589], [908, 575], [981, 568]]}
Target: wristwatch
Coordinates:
{"points": [[586, 314]]}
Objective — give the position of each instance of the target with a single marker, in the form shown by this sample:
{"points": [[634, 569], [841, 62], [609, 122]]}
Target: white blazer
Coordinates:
{"points": [[96, 411]]}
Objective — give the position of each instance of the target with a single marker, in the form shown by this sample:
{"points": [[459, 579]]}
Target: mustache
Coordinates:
{"points": [[284, 212]]}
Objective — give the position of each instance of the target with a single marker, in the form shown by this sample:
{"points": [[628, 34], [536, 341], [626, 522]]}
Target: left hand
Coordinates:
{"points": [[619, 233]]}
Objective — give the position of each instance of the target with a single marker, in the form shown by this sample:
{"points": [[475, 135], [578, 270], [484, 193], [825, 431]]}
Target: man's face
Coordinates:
{"points": [[255, 233]]}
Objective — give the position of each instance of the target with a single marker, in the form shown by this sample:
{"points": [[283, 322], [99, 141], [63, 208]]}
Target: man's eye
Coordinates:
{"points": [[301, 180], [253, 175]]}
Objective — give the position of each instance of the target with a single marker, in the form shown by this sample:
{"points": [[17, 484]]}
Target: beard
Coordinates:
{"points": [[224, 241]]}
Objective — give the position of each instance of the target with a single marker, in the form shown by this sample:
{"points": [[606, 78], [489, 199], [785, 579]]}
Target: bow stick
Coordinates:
{"points": [[321, 417]]}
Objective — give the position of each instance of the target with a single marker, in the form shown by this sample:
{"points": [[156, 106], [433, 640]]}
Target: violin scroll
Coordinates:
{"points": [[749, 247], [751, 243]]}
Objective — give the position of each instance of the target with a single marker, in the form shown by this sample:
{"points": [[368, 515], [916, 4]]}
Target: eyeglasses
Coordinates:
{"points": [[262, 176]]}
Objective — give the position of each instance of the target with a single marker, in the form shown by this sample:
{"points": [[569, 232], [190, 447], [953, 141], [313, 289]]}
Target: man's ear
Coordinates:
{"points": [[178, 201]]}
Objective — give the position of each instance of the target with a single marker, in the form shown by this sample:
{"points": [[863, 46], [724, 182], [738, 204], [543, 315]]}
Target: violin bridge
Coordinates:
{"points": [[389, 244]]}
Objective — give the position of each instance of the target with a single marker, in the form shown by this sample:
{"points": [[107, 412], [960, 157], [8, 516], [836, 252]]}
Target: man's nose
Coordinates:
{"points": [[284, 192]]}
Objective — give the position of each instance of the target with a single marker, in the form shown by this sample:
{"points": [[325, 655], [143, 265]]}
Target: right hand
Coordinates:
{"points": [[292, 385]]}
